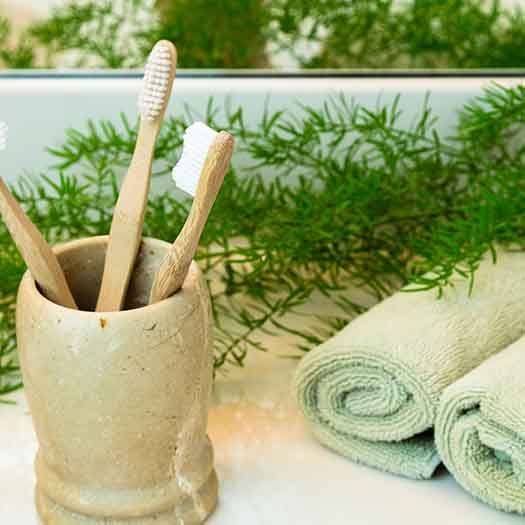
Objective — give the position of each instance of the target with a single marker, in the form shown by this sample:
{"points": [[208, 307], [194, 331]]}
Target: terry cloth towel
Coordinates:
{"points": [[480, 430], [371, 392]]}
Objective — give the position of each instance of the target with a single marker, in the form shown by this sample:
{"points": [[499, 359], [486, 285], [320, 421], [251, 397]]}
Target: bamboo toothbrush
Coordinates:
{"points": [[3, 135], [37, 254], [200, 171], [128, 218]]}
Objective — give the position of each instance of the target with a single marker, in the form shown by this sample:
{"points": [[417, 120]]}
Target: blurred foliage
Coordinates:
{"points": [[248, 33], [107, 33], [219, 34], [410, 34], [18, 54]]}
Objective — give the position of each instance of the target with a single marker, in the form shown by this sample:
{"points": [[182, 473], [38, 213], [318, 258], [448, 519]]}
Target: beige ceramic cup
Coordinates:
{"points": [[119, 400]]}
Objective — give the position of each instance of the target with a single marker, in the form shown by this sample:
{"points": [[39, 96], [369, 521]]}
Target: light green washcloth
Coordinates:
{"points": [[480, 430], [371, 392]]}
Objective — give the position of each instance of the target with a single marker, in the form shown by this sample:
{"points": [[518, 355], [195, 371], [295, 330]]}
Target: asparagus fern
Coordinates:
{"points": [[337, 198]]}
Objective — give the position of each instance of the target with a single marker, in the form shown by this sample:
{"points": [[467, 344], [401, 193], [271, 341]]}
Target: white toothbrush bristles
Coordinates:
{"points": [[3, 135], [157, 74], [197, 141]]}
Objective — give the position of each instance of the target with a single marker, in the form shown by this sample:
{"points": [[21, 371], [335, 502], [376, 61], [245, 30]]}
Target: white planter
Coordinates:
{"points": [[119, 400], [40, 107]]}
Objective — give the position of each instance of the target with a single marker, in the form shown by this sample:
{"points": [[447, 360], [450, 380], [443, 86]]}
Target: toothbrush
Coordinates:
{"points": [[36, 252], [128, 218], [3, 135], [200, 171]]}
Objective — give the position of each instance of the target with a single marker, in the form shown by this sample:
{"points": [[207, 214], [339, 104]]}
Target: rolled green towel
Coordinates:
{"points": [[480, 430], [371, 392]]}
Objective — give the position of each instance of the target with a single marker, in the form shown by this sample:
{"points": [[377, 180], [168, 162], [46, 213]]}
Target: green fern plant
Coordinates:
{"points": [[337, 198]]}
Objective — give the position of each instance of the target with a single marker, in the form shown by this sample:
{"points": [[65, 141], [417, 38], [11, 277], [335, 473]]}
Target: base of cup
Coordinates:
{"points": [[192, 510]]}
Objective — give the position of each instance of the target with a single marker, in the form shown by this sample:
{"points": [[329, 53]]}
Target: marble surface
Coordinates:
{"points": [[271, 470]]}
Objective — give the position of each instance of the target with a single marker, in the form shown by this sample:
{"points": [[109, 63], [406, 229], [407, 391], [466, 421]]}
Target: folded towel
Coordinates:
{"points": [[371, 392], [480, 430]]}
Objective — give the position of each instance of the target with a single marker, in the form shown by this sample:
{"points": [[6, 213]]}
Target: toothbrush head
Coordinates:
{"points": [[198, 139], [3, 135], [159, 73]]}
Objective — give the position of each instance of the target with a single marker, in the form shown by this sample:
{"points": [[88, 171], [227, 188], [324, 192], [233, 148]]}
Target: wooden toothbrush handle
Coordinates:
{"points": [[128, 219], [36, 252], [176, 263]]}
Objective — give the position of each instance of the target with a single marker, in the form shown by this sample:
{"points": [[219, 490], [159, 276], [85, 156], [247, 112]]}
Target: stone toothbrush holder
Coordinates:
{"points": [[119, 400]]}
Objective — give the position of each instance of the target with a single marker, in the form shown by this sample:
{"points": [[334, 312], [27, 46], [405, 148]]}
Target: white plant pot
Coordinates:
{"points": [[119, 400]]}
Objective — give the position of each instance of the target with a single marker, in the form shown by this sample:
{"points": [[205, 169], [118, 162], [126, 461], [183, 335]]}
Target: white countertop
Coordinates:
{"points": [[271, 470]]}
